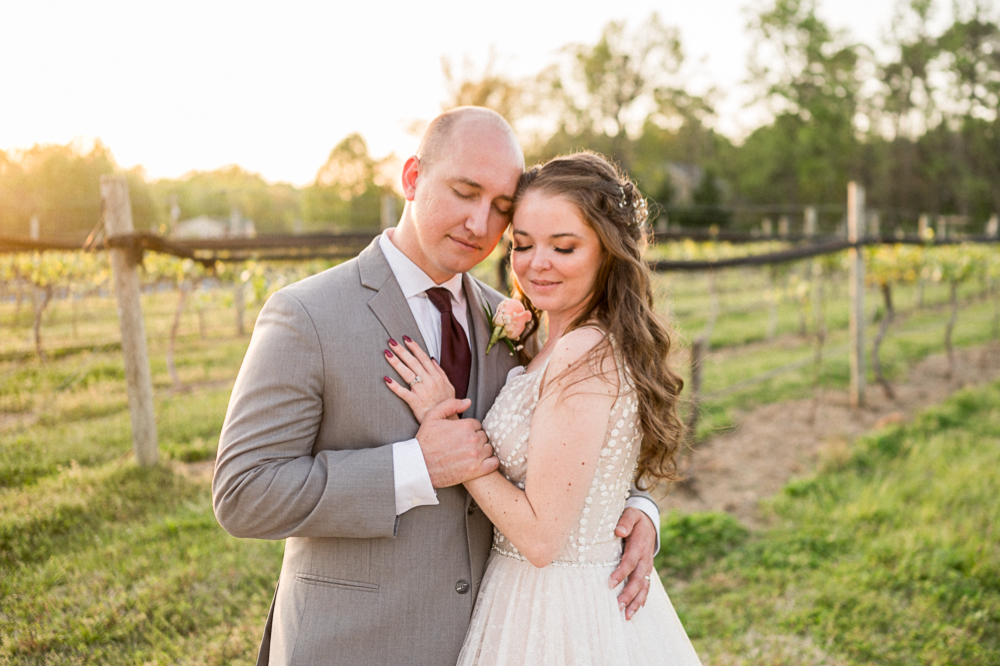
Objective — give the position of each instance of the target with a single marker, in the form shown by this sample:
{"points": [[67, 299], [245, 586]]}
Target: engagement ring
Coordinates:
{"points": [[416, 380]]}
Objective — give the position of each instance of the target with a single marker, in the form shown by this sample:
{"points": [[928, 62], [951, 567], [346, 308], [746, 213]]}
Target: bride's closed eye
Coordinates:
{"points": [[560, 250]]}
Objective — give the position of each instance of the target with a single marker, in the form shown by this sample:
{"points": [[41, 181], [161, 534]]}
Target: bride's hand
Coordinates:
{"points": [[410, 362]]}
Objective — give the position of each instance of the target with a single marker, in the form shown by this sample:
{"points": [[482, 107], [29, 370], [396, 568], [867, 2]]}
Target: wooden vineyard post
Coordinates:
{"points": [[239, 304], [942, 227], [874, 225], [389, 218], [117, 222], [698, 349], [809, 222], [856, 261]]}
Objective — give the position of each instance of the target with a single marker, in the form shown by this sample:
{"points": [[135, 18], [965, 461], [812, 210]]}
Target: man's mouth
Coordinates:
{"points": [[469, 245]]}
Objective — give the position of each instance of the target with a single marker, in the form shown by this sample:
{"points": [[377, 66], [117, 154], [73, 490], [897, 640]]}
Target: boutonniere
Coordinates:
{"points": [[508, 323]]}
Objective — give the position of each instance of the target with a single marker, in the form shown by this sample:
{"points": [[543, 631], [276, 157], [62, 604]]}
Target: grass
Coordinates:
{"points": [[103, 562], [122, 565], [889, 555]]}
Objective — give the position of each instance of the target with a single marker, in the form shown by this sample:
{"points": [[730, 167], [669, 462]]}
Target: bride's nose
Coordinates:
{"points": [[540, 262]]}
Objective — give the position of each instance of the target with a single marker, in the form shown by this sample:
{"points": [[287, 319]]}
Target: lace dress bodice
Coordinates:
{"points": [[592, 542], [564, 614]]}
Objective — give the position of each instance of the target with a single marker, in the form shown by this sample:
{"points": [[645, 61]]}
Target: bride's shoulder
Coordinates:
{"points": [[576, 344], [571, 353]]}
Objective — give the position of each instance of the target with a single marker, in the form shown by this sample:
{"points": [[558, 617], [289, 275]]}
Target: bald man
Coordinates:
{"points": [[385, 549]]}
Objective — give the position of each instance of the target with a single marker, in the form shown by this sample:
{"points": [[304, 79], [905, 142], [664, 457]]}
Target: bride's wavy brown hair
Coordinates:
{"points": [[622, 300]]}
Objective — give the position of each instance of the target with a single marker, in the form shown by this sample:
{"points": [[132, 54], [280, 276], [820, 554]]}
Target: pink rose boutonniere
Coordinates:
{"points": [[508, 323]]}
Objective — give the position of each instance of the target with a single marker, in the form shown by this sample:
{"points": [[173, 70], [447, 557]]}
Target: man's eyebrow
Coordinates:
{"points": [[472, 183]]}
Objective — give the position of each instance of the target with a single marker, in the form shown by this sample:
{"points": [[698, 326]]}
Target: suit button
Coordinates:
{"points": [[462, 586]]}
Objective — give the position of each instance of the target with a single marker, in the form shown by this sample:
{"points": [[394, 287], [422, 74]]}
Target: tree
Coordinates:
{"points": [[487, 88], [272, 207], [971, 50], [903, 109], [346, 193], [58, 183], [602, 91], [810, 77]]}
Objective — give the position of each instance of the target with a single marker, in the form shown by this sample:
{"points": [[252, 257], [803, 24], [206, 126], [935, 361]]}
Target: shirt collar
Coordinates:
{"points": [[411, 278]]}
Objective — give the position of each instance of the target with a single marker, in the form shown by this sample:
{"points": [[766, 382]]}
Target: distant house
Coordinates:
{"points": [[201, 227], [210, 227]]}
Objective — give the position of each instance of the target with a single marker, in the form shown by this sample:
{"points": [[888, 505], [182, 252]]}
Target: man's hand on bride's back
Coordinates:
{"points": [[428, 384], [455, 450]]}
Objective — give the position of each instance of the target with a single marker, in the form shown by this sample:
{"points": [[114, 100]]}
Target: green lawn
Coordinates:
{"points": [[121, 565], [101, 562], [890, 555]]}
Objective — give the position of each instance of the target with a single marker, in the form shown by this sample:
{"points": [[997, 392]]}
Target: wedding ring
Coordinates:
{"points": [[416, 380], [647, 578]]}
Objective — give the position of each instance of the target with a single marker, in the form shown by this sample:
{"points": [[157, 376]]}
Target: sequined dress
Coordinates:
{"points": [[565, 614]]}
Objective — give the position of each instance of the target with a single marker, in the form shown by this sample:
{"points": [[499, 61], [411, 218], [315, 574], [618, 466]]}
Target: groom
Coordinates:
{"points": [[385, 550]]}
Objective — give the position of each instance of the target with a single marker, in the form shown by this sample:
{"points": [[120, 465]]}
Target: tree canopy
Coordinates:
{"points": [[915, 118]]}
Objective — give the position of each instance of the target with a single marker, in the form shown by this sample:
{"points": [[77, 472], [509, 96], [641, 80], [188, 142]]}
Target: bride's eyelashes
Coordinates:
{"points": [[560, 250]]}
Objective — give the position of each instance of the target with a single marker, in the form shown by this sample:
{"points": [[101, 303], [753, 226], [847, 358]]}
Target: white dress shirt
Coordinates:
{"points": [[410, 476]]}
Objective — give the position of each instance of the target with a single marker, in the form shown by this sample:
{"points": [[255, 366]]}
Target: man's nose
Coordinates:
{"points": [[478, 220]]}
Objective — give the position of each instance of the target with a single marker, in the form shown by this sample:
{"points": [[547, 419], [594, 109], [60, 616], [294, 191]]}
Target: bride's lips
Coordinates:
{"points": [[544, 285]]}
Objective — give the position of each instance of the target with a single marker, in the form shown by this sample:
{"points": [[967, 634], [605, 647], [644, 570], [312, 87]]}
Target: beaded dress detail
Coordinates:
{"points": [[565, 613]]}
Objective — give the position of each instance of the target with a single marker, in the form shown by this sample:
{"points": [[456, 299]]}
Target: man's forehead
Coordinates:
{"points": [[485, 140]]}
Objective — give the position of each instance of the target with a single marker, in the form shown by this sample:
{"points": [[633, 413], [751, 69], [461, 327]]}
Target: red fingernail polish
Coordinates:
{"points": [[406, 338], [393, 342], [388, 354], [387, 380]]}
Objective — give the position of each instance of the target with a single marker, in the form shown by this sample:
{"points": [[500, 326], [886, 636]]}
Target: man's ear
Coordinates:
{"points": [[410, 172]]}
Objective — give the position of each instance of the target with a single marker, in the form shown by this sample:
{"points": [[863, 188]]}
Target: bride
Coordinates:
{"points": [[594, 410]]}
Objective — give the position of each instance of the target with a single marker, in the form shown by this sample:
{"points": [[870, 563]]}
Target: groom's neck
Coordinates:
{"points": [[405, 241]]}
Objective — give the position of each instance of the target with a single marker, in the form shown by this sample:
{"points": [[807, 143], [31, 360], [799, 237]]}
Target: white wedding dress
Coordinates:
{"points": [[565, 614]]}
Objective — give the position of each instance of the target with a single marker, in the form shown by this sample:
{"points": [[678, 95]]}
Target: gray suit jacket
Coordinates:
{"points": [[305, 455]]}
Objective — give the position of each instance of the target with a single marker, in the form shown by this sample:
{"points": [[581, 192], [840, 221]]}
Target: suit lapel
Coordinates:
{"points": [[391, 309], [481, 336], [388, 304]]}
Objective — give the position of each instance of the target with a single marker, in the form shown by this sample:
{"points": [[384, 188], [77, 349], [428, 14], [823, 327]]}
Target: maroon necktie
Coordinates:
{"points": [[456, 359]]}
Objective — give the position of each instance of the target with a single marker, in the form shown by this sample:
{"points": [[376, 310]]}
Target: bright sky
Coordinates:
{"points": [[273, 86]]}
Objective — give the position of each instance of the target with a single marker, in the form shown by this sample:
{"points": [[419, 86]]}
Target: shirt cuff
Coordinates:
{"points": [[648, 507], [409, 474]]}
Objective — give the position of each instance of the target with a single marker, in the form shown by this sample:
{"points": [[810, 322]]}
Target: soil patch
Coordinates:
{"points": [[775, 443]]}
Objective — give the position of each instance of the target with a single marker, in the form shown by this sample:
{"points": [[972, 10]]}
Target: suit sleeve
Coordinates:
{"points": [[268, 484], [643, 501]]}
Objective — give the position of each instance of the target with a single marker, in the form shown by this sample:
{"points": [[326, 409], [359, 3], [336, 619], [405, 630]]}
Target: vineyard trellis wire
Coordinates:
{"points": [[189, 265]]}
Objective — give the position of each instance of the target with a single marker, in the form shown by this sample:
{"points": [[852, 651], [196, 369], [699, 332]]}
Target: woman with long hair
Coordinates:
{"points": [[594, 410]]}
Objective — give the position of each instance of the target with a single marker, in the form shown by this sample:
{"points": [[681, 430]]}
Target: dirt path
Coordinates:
{"points": [[778, 442]]}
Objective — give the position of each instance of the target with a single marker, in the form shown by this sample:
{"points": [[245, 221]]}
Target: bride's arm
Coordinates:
{"points": [[567, 434]]}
